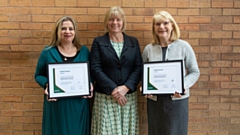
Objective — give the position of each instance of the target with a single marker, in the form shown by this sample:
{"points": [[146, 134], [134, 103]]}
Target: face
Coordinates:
{"points": [[67, 32], [163, 29], [115, 24]]}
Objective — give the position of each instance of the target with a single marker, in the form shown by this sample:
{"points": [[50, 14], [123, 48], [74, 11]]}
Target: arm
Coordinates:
{"points": [[192, 75], [41, 73], [136, 74], [191, 66], [86, 52], [145, 54]]}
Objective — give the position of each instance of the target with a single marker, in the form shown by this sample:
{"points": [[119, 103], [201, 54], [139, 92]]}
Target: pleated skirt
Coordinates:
{"points": [[110, 118]]}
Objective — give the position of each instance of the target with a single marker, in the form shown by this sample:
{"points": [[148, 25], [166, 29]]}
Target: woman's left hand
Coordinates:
{"points": [[178, 95], [91, 92]]}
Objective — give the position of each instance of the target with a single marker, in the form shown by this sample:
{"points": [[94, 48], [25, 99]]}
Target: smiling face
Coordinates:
{"points": [[115, 24], [163, 29], [67, 32], [115, 20]]}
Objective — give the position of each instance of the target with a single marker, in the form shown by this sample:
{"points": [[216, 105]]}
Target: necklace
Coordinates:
{"points": [[65, 59]]}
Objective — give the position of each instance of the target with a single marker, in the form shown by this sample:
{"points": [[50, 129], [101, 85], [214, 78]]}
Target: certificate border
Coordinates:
{"points": [[50, 82], [144, 79]]}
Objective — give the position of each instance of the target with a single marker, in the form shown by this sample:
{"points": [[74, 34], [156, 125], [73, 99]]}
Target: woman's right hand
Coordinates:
{"points": [[118, 96], [147, 95]]}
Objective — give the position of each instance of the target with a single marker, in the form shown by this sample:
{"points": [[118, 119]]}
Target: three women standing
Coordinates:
{"points": [[116, 67]]}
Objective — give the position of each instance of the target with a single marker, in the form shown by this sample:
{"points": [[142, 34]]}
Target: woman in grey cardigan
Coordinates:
{"points": [[168, 113]]}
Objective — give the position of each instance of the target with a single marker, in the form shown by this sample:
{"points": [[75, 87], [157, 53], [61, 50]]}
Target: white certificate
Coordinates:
{"points": [[163, 77], [68, 79]]}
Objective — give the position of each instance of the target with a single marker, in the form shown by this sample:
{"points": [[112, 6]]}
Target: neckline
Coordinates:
{"points": [[116, 42], [66, 58]]}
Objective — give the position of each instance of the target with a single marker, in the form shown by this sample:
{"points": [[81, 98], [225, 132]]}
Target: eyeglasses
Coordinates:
{"points": [[166, 23]]}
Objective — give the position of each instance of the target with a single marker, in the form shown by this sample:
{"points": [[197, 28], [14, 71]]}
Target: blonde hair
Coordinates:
{"points": [[114, 11], [163, 16], [56, 33]]}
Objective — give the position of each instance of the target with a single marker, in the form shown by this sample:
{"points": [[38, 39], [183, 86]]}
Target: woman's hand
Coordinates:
{"points": [[147, 95], [91, 92], [178, 95], [46, 93], [119, 94]]}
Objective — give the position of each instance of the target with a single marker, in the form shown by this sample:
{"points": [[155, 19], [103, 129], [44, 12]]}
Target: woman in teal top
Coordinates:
{"points": [[68, 116]]}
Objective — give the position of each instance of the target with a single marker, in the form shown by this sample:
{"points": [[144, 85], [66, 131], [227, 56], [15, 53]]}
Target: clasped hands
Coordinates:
{"points": [[119, 94]]}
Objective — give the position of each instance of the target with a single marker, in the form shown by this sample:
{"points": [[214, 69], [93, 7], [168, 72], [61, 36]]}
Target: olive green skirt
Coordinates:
{"points": [[110, 118]]}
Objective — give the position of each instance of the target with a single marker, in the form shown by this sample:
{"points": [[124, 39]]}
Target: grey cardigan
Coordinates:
{"points": [[178, 50]]}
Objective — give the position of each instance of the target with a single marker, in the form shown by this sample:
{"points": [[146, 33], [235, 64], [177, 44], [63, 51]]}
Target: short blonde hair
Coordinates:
{"points": [[56, 32], [115, 11], [163, 16]]}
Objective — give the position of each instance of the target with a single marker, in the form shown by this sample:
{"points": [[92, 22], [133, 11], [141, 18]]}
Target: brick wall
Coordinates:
{"points": [[210, 26]]}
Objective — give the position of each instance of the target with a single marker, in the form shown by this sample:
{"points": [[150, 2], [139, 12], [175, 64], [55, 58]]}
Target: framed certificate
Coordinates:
{"points": [[163, 77], [68, 79]]}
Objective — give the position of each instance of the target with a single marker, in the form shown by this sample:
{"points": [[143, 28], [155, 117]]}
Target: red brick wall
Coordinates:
{"points": [[210, 26]]}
